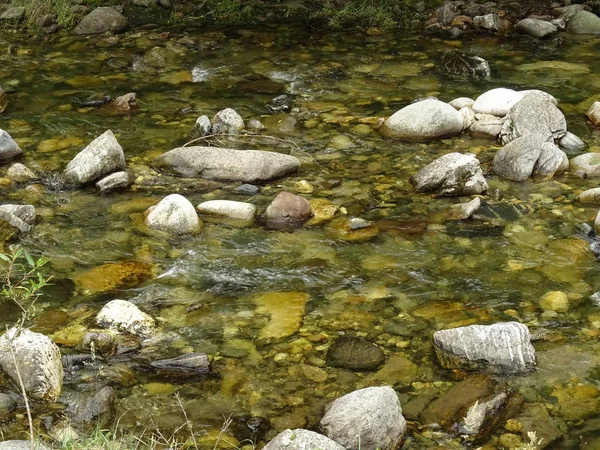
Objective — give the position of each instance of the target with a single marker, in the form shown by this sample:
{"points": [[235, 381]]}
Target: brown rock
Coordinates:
{"points": [[112, 276], [287, 211]]}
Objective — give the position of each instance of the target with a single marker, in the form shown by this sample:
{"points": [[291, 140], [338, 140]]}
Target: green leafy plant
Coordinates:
{"points": [[22, 281]]}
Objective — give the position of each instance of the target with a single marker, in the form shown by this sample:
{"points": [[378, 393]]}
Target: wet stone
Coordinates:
{"points": [[113, 276], [96, 407], [354, 353], [191, 364], [352, 229], [247, 189]]}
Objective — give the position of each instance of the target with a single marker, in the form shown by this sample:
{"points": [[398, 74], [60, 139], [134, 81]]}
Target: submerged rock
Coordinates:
{"points": [[39, 359], [586, 165], [352, 229], [422, 121], [461, 65], [366, 419], [300, 439], [174, 214], [9, 149], [286, 311], [101, 20], [190, 364], [112, 276], [113, 182], [121, 315], [238, 214], [534, 114], [497, 102], [96, 407], [354, 353], [287, 211], [463, 211], [502, 348], [453, 174], [226, 164], [101, 157]]}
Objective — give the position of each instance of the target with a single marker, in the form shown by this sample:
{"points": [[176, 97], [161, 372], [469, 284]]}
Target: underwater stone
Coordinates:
{"points": [[499, 348], [113, 182], [185, 365], [354, 353]]}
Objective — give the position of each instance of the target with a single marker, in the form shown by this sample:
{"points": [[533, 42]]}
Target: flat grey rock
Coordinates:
{"points": [[113, 182], [227, 164], [536, 27], [499, 348]]}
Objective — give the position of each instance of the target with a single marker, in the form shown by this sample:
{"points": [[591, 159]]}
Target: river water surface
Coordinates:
{"points": [[210, 292]]}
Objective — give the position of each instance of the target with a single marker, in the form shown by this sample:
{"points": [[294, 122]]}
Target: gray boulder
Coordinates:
{"points": [[20, 173], [491, 22], [225, 164], [92, 408], [517, 159], [487, 125], [203, 125], [227, 121], [121, 315], [101, 20], [24, 212], [423, 121], [534, 114], [239, 214], [287, 211], [552, 161], [497, 102], [584, 22], [366, 419], [536, 27], [114, 182], [590, 196], [586, 165], [174, 214], [354, 353], [453, 174], [300, 439], [571, 143], [499, 348], [9, 149], [39, 363], [15, 220], [101, 157]]}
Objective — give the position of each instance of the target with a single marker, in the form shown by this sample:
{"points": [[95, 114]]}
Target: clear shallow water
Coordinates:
{"points": [[416, 277]]}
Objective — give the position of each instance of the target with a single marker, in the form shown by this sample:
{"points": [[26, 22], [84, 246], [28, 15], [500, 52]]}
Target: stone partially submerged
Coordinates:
{"points": [[300, 439], [226, 164], [9, 149], [423, 121], [101, 157], [453, 174], [39, 359], [366, 419], [15, 220], [121, 315], [499, 348], [174, 214], [535, 114]]}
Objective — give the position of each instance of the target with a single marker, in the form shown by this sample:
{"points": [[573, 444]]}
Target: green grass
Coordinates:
{"points": [[36, 9]]}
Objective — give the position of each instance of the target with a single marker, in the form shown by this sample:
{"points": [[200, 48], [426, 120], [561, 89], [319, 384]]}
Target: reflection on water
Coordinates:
{"points": [[416, 276]]}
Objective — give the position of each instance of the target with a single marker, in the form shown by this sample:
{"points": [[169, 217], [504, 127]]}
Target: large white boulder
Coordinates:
{"points": [[174, 214], [423, 121], [496, 102]]}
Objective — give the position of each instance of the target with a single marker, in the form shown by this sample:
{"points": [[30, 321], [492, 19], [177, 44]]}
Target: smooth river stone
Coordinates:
{"points": [[121, 315], [586, 165], [499, 348], [112, 276], [590, 196], [237, 214], [286, 310], [300, 439], [354, 353]]}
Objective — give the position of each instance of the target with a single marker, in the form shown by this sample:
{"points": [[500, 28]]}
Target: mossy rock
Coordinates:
{"points": [[113, 276]]}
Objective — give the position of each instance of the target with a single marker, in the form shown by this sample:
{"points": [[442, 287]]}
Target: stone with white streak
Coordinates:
{"points": [[366, 419], [239, 214], [497, 102], [39, 363], [453, 174], [499, 348], [121, 315]]}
